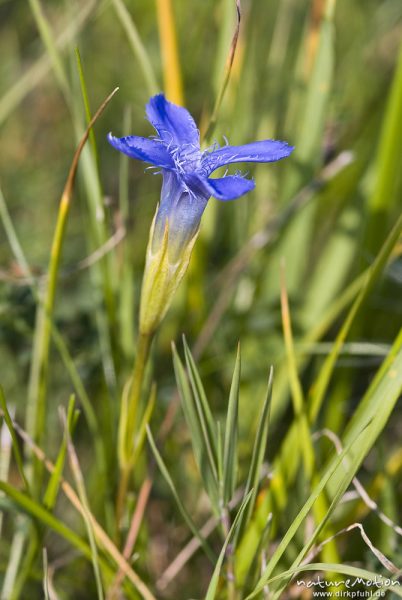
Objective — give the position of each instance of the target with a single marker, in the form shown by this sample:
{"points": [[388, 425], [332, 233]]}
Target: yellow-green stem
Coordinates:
{"points": [[130, 418], [141, 359]]}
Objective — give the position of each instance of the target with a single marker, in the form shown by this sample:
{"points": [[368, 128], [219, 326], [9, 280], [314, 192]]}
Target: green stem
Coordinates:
{"points": [[128, 421], [141, 360]]}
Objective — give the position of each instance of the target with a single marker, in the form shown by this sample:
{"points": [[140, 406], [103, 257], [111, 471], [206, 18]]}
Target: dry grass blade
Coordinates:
{"points": [[79, 482], [39, 369], [360, 490], [132, 536], [48, 588], [101, 536], [388, 564], [194, 544], [226, 77], [73, 169]]}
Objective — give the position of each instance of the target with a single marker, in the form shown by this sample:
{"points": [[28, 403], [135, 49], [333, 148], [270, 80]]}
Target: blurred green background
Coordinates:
{"points": [[324, 76]]}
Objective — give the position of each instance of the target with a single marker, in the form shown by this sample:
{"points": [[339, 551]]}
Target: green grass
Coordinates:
{"points": [[234, 487]]}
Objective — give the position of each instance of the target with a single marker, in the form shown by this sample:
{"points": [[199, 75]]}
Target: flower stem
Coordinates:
{"points": [[141, 360], [128, 420]]}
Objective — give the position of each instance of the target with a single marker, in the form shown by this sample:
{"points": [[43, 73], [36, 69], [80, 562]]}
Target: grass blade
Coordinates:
{"points": [[14, 560], [211, 592], [53, 486], [79, 482], [38, 512], [13, 239], [28, 80], [137, 46], [104, 541], [6, 445], [85, 99], [257, 458], [33, 508], [226, 76], [307, 153], [358, 449], [204, 412], [190, 523], [304, 437], [231, 434], [48, 587], [168, 41], [57, 338], [10, 426], [369, 421], [287, 538], [50, 44], [321, 384], [201, 423], [384, 196], [377, 403], [194, 425], [39, 372], [127, 299], [142, 429], [102, 272]]}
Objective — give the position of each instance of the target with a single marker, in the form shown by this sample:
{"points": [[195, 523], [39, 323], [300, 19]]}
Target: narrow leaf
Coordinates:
{"points": [[52, 489], [199, 439], [211, 592], [186, 516], [289, 535], [86, 513], [321, 384], [299, 407], [204, 412], [142, 430], [231, 434], [16, 449], [37, 511], [259, 448]]}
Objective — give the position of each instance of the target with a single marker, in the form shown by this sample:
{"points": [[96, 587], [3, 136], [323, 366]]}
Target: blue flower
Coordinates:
{"points": [[187, 185]]}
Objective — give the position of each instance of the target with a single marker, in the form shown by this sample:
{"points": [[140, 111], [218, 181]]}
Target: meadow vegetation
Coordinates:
{"points": [[266, 447]]}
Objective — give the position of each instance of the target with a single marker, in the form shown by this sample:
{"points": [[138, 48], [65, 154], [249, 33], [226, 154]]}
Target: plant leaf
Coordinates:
{"points": [[233, 530], [259, 448], [196, 421], [52, 489], [231, 434], [186, 516], [16, 449]]}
